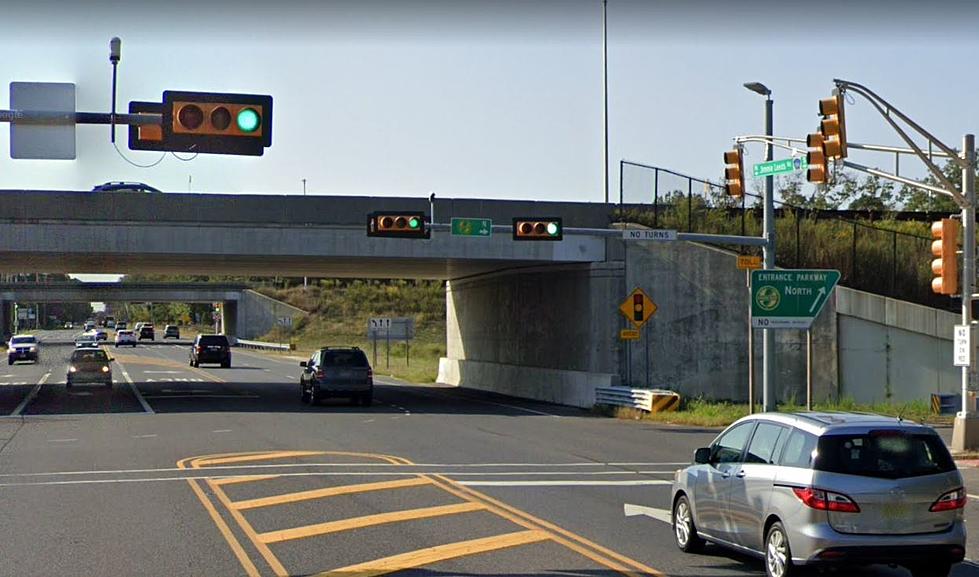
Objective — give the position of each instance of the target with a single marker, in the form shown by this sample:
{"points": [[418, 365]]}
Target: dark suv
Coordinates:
{"points": [[146, 332], [337, 372], [210, 349], [171, 331]]}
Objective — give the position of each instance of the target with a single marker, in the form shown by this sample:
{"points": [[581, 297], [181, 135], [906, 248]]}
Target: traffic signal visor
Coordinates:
{"points": [[530, 228], [734, 172], [946, 266]]}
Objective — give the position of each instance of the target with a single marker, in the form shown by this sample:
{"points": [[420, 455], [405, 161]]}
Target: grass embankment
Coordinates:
{"points": [[339, 311], [719, 414]]}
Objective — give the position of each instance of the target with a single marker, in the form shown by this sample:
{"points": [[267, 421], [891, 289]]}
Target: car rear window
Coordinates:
{"points": [[93, 355], [212, 340], [23, 340], [344, 359], [124, 333], [888, 454]]}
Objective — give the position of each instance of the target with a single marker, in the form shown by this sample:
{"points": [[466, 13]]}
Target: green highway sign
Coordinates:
{"points": [[789, 299], [784, 166], [472, 227]]}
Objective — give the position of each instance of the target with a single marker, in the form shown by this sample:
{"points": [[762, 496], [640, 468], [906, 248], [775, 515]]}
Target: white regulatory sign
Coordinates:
{"points": [[963, 346], [649, 234]]}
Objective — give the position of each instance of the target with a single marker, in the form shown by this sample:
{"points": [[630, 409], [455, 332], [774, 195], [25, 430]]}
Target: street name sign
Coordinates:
{"points": [[649, 234], [749, 262], [775, 167], [638, 308], [472, 227], [789, 299], [963, 346]]}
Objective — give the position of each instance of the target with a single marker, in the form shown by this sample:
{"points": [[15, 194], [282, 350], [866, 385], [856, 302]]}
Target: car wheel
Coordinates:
{"points": [[10, 361], [226, 365], [68, 384], [936, 569], [778, 554], [684, 530]]}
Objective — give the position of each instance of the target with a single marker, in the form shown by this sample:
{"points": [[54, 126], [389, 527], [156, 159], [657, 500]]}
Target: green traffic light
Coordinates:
{"points": [[552, 228], [248, 120], [413, 222]]}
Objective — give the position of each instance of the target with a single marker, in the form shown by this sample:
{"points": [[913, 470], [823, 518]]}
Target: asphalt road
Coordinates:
{"points": [[209, 471]]}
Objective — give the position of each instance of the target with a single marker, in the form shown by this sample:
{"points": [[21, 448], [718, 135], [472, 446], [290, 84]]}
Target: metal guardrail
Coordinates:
{"points": [[650, 400], [263, 345]]}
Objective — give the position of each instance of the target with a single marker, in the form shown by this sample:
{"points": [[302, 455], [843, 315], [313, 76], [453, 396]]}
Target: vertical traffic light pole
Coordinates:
{"points": [[768, 358], [968, 285]]}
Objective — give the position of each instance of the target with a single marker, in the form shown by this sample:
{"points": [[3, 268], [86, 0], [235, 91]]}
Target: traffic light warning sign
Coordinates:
{"points": [[638, 308]]}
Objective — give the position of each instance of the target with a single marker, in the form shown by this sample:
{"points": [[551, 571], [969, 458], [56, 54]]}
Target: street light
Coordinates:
{"points": [[768, 359]]}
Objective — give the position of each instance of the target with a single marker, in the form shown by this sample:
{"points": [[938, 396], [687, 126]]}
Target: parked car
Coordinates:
{"points": [[171, 331], [146, 332], [89, 366], [337, 372], [210, 349], [128, 186], [825, 489], [125, 337], [23, 348]]}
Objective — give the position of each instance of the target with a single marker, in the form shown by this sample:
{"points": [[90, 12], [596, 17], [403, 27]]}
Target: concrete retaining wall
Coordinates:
{"points": [[257, 314]]}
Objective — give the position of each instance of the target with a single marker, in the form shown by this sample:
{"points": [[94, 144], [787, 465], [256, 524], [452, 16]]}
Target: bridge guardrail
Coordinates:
{"points": [[264, 345], [649, 400]]}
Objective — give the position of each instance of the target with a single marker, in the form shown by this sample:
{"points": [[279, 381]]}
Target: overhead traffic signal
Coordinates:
{"points": [[833, 126], [403, 224], [217, 123], [946, 266], [816, 159], [537, 228], [734, 172]]}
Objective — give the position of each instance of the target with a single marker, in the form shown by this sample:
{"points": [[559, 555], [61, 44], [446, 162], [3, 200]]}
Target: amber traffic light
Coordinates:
{"points": [[833, 126], [217, 123], [816, 158], [537, 228], [734, 172], [403, 224], [946, 266]]}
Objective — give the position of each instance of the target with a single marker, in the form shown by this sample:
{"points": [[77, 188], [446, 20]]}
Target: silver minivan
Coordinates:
{"points": [[825, 488]]}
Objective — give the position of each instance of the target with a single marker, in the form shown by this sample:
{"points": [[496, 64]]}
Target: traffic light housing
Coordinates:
{"points": [[818, 170], [538, 228], [833, 126], [734, 172], [216, 123], [946, 266], [637, 308], [404, 224]]}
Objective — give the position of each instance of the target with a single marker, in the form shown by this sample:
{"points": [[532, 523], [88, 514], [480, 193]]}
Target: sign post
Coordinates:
{"points": [[397, 328]]}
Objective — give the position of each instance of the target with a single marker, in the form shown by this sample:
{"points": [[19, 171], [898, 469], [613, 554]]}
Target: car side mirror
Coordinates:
{"points": [[303, 363], [702, 456]]}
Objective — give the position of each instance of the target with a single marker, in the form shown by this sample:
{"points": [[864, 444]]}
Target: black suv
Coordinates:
{"points": [[146, 332], [337, 372], [171, 331], [210, 349]]}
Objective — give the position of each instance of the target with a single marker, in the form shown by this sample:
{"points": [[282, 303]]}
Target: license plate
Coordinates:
{"points": [[894, 511]]}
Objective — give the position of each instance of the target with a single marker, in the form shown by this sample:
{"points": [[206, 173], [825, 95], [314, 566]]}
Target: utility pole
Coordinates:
{"points": [[965, 433]]}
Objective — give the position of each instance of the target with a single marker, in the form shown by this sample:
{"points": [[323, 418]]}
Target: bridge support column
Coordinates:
{"points": [[229, 318]]}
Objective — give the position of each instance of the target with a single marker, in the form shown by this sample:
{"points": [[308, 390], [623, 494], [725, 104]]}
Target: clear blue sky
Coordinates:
{"points": [[494, 99]]}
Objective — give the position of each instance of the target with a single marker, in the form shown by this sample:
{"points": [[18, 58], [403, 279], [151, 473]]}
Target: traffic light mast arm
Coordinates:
{"points": [[896, 178], [775, 141], [886, 110], [56, 118]]}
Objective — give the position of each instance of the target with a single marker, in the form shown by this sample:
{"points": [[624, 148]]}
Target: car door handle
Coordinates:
{"points": [[740, 474], [725, 475]]}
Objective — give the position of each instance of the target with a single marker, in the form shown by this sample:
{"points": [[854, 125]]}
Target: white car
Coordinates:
{"points": [[125, 338], [22, 348]]}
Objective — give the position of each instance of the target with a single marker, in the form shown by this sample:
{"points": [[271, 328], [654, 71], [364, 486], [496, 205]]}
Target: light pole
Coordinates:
{"points": [[605, 80], [305, 279], [768, 359]]}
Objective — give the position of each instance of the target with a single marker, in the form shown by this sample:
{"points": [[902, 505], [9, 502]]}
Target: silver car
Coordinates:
{"points": [[825, 488]]}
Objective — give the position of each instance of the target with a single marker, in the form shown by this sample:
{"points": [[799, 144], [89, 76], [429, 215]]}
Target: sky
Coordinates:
{"points": [[487, 99]]}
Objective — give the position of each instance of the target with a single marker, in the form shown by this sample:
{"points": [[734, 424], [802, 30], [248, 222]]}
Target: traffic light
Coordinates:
{"points": [[537, 228], [816, 158], [216, 123], [833, 126], [397, 225], [946, 266], [734, 172]]}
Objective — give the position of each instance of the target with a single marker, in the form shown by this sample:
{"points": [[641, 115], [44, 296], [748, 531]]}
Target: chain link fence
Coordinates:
{"points": [[889, 256]]}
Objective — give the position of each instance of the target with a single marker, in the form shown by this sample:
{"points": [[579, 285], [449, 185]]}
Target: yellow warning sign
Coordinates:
{"points": [[638, 308], [749, 262], [629, 335]]}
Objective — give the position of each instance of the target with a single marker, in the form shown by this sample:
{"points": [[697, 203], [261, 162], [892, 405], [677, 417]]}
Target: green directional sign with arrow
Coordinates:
{"points": [[789, 299], [472, 227]]}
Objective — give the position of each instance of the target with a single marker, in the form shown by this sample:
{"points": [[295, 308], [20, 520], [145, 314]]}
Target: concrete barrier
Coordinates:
{"points": [[263, 345]]}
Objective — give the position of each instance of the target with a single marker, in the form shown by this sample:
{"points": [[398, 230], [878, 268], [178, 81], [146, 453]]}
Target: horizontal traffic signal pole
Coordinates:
{"points": [[617, 233], [62, 118]]}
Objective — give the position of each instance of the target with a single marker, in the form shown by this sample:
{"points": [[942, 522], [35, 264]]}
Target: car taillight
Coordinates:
{"points": [[370, 373], [826, 500], [320, 373], [954, 499], [199, 348]]}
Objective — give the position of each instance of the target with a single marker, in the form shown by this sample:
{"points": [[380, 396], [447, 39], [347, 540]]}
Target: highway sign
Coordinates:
{"points": [[629, 335], [789, 299], [638, 308], [472, 227], [784, 166], [648, 234], [45, 141], [749, 262], [394, 328], [963, 346]]}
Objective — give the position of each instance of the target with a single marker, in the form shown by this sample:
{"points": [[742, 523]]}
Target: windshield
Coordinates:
{"points": [[23, 341], [889, 454], [89, 356]]}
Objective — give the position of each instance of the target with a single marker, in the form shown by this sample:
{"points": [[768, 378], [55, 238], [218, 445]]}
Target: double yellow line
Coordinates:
{"points": [[534, 530]]}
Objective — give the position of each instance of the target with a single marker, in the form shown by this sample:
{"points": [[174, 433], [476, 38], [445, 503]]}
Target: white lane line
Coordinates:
{"points": [[62, 440], [563, 483], [162, 372], [139, 396], [143, 436], [242, 396], [30, 396], [663, 515], [368, 421], [222, 431], [974, 498]]}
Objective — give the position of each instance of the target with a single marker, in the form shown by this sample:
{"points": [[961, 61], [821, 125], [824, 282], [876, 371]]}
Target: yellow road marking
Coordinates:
{"points": [[327, 492], [254, 457], [431, 555], [369, 521], [250, 532], [242, 479], [236, 547]]}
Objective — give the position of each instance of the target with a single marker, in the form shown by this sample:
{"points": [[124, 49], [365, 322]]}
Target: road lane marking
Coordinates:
{"points": [[162, 372], [132, 386], [368, 521], [62, 440], [563, 483], [221, 431], [30, 396], [663, 515], [207, 462], [430, 555], [200, 396], [328, 492], [144, 436]]}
